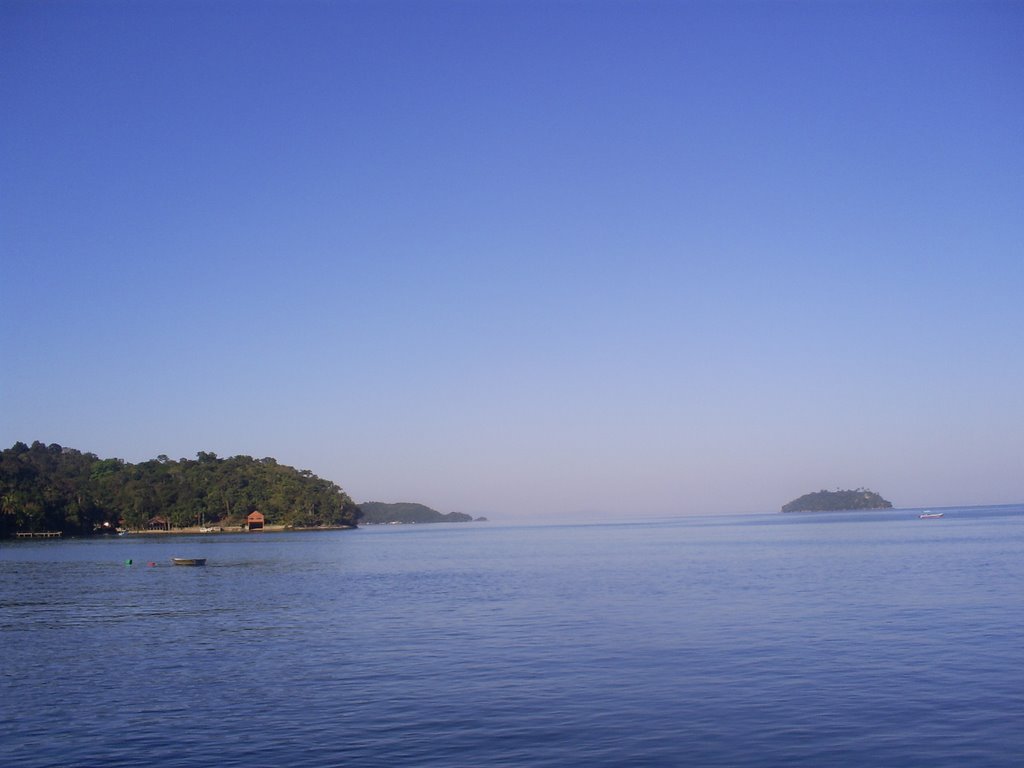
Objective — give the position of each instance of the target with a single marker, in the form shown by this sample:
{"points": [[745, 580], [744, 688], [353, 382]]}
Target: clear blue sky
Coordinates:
{"points": [[523, 259]]}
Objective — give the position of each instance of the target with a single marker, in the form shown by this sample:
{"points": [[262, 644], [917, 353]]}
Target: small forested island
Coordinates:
{"points": [[63, 490], [379, 513], [837, 501]]}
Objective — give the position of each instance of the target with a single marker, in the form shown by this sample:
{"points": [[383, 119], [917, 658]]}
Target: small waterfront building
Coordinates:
{"points": [[254, 522]]}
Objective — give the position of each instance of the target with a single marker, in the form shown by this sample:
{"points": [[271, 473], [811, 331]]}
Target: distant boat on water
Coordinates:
{"points": [[188, 560], [928, 515]]}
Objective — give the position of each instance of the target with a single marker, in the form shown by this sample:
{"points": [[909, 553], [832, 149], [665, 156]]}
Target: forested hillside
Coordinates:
{"points": [[52, 488], [837, 501]]}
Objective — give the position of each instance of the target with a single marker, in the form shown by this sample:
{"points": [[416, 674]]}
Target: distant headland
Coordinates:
{"points": [[379, 513], [837, 501]]}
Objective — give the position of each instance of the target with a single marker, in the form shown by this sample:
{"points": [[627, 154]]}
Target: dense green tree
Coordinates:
{"points": [[49, 487]]}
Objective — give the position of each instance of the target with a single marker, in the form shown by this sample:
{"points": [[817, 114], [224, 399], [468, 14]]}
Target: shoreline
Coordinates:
{"points": [[197, 531], [192, 531]]}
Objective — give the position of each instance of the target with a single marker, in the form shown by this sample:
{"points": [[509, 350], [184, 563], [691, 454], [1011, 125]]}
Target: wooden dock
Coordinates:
{"points": [[39, 535]]}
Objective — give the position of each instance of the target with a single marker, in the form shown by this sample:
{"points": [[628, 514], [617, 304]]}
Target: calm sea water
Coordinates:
{"points": [[872, 639]]}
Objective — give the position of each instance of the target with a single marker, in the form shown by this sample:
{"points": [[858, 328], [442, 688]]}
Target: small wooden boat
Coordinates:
{"points": [[188, 560]]}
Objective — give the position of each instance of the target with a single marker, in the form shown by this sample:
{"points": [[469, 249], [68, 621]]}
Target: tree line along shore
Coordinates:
{"points": [[57, 489]]}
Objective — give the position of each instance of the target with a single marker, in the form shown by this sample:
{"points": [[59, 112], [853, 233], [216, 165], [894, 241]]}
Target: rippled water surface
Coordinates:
{"points": [[798, 640]]}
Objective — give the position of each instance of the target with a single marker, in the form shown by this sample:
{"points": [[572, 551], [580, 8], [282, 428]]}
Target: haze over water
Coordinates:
{"points": [[852, 639]]}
